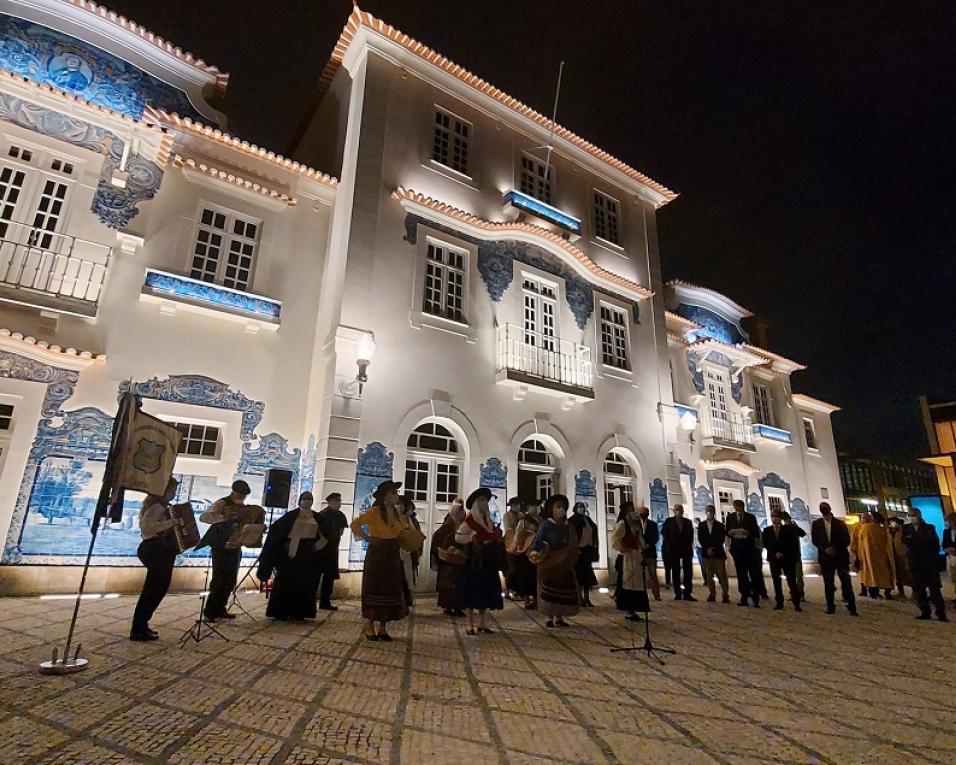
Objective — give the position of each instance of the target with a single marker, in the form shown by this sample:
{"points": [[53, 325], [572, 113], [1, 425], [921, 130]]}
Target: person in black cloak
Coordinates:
{"points": [[290, 551]]}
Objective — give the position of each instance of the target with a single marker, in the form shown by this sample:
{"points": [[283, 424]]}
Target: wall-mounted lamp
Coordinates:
{"points": [[688, 422], [364, 350]]}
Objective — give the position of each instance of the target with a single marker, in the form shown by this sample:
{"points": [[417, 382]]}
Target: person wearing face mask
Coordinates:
{"points": [[831, 537], [711, 536], [872, 556], [949, 547], [223, 516], [448, 559], [743, 531], [480, 582], [782, 543], [410, 559], [678, 533], [290, 551], [524, 575], [922, 543], [631, 593], [556, 549], [650, 534], [332, 524]]}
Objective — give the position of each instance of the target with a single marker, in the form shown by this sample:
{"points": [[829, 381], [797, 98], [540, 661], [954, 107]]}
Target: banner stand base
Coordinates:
{"points": [[65, 667]]}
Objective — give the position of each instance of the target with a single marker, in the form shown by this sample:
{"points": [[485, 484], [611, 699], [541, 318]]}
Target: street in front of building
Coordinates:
{"points": [[746, 686]]}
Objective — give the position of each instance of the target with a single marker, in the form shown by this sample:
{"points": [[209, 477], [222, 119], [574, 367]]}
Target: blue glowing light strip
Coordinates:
{"points": [[553, 214], [683, 409], [212, 294], [774, 434]]}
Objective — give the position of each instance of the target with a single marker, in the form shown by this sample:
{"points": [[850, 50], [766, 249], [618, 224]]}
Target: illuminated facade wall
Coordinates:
{"points": [[940, 421]]}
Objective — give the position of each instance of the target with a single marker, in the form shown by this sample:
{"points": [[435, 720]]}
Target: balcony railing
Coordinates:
{"points": [[544, 358], [728, 429], [51, 270]]}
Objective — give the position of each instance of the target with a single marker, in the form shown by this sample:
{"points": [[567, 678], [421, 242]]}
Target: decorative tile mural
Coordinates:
{"points": [[53, 58], [585, 490], [713, 325], [375, 464]]}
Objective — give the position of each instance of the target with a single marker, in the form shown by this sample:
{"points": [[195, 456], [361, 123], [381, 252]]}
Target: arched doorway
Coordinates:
{"points": [[433, 471], [539, 470], [622, 483]]}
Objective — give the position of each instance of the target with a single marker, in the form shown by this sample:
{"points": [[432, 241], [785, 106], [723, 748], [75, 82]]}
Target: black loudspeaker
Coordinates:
{"points": [[278, 486]]}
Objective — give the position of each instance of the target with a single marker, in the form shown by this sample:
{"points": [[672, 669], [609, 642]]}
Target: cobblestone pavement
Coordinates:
{"points": [[746, 686]]}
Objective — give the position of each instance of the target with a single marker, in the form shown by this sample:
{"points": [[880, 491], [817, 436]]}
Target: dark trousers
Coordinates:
{"points": [[678, 565], [787, 570], [929, 590], [159, 557], [842, 570], [749, 574], [325, 590], [225, 572]]}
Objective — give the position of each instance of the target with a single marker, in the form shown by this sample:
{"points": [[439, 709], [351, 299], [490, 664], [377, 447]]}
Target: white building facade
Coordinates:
{"points": [[476, 302]]}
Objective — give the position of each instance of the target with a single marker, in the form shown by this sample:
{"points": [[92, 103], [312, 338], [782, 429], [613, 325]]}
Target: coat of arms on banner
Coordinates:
{"points": [[148, 457]]}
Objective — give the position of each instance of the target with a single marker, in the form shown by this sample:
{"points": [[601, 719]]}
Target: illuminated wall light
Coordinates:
{"points": [[545, 211], [175, 285]]}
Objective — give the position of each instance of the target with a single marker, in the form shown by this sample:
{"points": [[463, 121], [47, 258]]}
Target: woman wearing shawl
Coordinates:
{"points": [[587, 530], [449, 574], [290, 551], [556, 549], [406, 506], [631, 594], [480, 583], [384, 589], [524, 575]]}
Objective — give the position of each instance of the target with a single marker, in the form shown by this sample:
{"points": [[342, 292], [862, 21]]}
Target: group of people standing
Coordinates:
{"points": [[546, 553]]}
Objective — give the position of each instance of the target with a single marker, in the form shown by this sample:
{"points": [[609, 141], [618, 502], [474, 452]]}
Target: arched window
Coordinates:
{"points": [[534, 453], [537, 470], [433, 437], [433, 465], [619, 481]]}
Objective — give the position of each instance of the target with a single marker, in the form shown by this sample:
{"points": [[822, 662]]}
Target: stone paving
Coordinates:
{"points": [[746, 686]]}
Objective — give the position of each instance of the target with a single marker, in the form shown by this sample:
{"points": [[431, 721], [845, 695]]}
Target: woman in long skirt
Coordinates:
{"points": [[480, 582], [384, 589], [556, 549], [289, 551], [631, 594], [406, 507], [524, 574], [586, 529], [449, 574]]}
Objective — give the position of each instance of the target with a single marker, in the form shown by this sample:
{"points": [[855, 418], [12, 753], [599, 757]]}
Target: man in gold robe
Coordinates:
{"points": [[873, 557]]}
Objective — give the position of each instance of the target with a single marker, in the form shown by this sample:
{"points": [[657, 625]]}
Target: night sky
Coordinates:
{"points": [[812, 145]]}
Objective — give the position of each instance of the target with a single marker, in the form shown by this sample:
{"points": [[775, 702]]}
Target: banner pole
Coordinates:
{"points": [[66, 664]]}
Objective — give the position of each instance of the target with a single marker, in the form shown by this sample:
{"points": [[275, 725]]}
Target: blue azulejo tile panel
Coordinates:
{"points": [[53, 58], [774, 434], [213, 295], [529, 204]]}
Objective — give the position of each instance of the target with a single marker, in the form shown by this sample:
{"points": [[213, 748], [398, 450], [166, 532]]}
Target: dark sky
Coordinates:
{"points": [[812, 144]]}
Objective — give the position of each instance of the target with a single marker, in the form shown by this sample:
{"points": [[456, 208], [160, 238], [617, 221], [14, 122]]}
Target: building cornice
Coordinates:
{"points": [[41, 350], [708, 297], [213, 134], [808, 402], [360, 21], [194, 165], [492, 230]]}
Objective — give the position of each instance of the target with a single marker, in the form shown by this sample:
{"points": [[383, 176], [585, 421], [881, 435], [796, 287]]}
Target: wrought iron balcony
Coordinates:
{"points": [[50, 270], [729, 430], [550, 362]]}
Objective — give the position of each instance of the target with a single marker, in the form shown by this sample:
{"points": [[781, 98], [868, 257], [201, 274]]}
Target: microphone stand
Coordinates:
{"points": [[651, 650]]}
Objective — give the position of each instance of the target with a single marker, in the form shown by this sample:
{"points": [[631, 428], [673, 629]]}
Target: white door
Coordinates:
{"points": [[540, 327], [725, 500], [717, 394]]}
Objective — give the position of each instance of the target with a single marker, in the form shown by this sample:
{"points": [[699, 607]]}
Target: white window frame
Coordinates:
{"points": [[215, 455], [618, 220], [780, 494], [713, 405], [734, 488], [808, 419], [599, 329], [417, 316], [522, 157], [446, 265], [555, 284], [228, 235], [453, 118], [756, 415]]}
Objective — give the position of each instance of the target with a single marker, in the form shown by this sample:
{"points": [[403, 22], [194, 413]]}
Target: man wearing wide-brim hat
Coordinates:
{"points": [[332, 523]]}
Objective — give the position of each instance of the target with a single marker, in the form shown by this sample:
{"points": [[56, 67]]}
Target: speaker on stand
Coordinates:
{"points": [[275, 494]]}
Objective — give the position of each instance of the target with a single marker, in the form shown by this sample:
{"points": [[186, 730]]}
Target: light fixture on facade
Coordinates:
{"points": [[688, 421], [364, 350]]}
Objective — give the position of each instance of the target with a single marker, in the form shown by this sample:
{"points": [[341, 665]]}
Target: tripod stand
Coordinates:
{"points": [[195, 632], [235, 602], [648, 647]]}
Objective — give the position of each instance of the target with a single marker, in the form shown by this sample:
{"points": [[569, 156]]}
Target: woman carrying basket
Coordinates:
{"points": [[480, 582]]}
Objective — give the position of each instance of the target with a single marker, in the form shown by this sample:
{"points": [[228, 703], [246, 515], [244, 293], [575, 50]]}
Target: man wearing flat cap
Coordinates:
{"points": [[332, 523]]}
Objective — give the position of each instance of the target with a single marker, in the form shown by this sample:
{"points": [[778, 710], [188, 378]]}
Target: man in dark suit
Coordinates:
{"points": [[678, 533], [922, 554], [650, 534], [782, 543], [831, 537], [743, 532], [711, 535]]}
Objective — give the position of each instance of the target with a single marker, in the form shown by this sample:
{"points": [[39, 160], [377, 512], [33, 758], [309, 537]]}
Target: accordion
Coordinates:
{"points": [[186, 531]]}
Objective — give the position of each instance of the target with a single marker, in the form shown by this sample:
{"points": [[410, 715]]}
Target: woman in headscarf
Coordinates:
{"points": [[406, 506], [586, 530], [524, 575], [894, 530], [449, 572], [631, 593], [480, 582], [290, 551], [556, 549], [384, 589]]}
